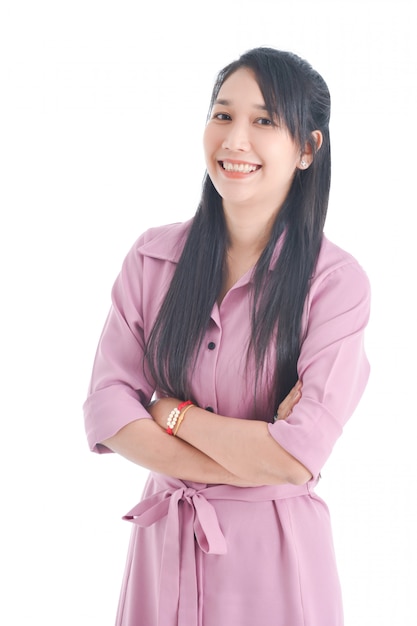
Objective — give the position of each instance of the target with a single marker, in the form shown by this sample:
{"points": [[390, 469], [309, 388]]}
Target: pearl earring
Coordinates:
{"points": [[303, 164]]}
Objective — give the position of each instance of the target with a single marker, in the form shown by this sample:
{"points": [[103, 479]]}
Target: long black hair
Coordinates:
{"points": [[296, 96]]}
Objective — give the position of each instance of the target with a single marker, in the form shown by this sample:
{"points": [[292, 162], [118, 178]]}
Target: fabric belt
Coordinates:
{"points": [[178, 595]]}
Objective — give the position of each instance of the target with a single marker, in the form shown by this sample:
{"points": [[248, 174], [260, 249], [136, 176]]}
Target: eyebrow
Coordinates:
{"points": [[228, 103]]}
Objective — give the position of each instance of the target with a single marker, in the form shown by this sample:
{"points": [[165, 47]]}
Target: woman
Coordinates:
{"points": [[220, 320]]}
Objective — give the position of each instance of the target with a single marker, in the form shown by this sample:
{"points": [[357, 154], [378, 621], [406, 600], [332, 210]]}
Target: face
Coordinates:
{"points": [[250, 161]]}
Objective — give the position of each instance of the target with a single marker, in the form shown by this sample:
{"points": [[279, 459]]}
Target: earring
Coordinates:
{"points": [[304, 164]]}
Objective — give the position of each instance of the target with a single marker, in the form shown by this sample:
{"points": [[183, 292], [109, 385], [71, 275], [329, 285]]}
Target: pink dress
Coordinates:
{"points": [[216, 555]]}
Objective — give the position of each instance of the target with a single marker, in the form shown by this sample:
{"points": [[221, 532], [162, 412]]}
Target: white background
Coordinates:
{"points": [[103, 106]]}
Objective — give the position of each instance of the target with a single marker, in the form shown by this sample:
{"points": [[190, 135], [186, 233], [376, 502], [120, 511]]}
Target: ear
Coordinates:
{"points": [[307, 155]]}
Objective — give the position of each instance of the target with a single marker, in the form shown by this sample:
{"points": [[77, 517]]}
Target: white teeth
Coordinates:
{"points": [[245, 168]]}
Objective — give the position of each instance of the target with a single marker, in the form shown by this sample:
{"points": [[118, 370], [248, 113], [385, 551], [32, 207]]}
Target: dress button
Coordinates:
{"points": [[210, 409], [211, 345]]}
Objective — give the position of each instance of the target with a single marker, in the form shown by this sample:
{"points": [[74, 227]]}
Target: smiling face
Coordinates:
{"points": [[250, 159]]}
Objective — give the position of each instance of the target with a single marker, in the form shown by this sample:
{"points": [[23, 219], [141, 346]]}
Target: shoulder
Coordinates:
{"points": [[339, 298], [339, 281], [150, 261], [334, 261]]}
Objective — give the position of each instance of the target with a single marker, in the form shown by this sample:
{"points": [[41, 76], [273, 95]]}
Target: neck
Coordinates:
{"points": [[247, 232]]}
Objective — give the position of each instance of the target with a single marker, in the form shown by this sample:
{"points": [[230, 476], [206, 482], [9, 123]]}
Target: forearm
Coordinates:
{"points": [[145, 443], [244, 447]]}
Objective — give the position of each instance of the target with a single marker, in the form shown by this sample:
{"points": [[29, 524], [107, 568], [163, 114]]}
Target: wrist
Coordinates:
{"points": [[176, 417]]}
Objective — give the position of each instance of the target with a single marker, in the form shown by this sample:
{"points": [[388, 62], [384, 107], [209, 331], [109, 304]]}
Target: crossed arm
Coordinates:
{"points": [[211, 448]]}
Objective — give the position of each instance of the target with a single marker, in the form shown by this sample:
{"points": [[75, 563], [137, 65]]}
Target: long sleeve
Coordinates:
{"points": [[332, 365], [119, 389]]}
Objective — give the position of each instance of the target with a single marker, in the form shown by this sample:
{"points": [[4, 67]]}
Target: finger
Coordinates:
{"points": [[286, 406], [297, 387], [283, 416], [292, 399]]}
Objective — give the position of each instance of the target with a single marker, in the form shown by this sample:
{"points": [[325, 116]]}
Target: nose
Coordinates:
{"points": [[236, 138]]}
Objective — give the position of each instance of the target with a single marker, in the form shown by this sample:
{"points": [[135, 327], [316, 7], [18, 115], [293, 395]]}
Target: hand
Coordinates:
{"points": [[289, 402]]}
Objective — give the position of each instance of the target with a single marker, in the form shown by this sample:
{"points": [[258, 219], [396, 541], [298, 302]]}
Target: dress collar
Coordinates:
{"points": [[167, 242]]}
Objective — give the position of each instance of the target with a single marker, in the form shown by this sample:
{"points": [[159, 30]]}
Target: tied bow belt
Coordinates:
{"points": [[201, 524]]}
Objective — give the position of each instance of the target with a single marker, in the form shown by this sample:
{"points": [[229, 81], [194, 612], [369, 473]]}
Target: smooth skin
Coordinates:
{"points": [[251, 162], [146, 443]]}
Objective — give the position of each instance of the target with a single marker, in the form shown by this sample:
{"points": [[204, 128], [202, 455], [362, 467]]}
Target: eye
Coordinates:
{"points": [[263, 121], [221, 116]]}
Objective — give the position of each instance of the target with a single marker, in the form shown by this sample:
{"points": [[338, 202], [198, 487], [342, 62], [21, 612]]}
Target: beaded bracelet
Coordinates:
{"points": [[174, 415], [172, 420], [180, 418]]}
